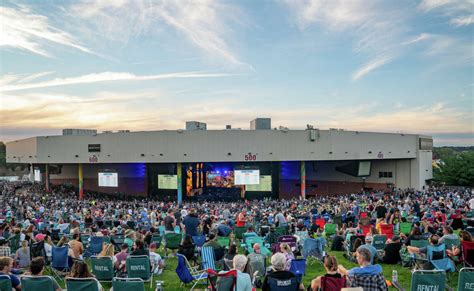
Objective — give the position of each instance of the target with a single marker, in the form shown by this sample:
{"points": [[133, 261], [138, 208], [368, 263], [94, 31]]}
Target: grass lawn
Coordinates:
{"points": [[312, 271]]}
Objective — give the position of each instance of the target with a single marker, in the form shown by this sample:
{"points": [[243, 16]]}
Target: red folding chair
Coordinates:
{"points": [[320, 222], [467, 253], [387, 229], [365, 229], [222, 281], [363, 215]]}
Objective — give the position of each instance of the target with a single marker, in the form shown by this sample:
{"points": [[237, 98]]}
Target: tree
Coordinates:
{"points": [[457, 170]]}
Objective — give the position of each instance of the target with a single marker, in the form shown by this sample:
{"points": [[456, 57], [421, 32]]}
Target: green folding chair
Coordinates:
{"points": [[378, 241], [280, 230], [14, 242], [139, 267], [36, 283], [102, 268], [5, 282], [419, 243], [329, 229], [172, 241], [466, 279], [405, 227], [128, 284], [239, 231], [428, 280], [156, 238], [83, 284], [223, 241]]}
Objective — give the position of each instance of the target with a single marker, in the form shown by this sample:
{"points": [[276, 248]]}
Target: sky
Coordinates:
{"points": [[389, 66]]}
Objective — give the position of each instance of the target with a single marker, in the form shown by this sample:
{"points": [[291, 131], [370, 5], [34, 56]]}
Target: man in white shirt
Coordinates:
{"points": [[471, 203], [156, 261]]}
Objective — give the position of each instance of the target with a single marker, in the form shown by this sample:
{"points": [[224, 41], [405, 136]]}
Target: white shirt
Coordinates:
{"points": [[471, 203]]}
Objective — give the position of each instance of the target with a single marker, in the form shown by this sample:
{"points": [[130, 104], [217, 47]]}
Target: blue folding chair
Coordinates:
{"points": [[199, 240], [186, 276], [444, 264], [298, 267], [208, 259], [95, 246], [313, 248], [283, 284], [60, 262]]}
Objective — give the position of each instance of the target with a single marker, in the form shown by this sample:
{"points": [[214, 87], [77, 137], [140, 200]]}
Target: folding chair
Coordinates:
{"points": [[208, 258], [302, 235], [37, 250], [5, 283], [199, 240], [59, 262], [156, 238], [298, 267], [103, 268], [85, 239], [139, 267], [290, 240], [365, 229], [418, 243], [428, 280], [223, 241], [283, 284], [83, 284], [55, 234], [281, 230], [172, 241], [36, 283], [312, 248], [239, 231], [466, 279], [117, 240], [222, 281], [387, 229], [467, 253], [331, 283], [378, 242], [95, 246], [320, 222], [128, 284], [131, 224], [251, 241], [443, 263], [14, 242], [185, 275], [405, 227]]}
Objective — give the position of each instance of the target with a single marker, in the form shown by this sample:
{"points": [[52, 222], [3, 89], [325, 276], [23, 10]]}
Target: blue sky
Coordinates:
{"points": [[394, 66]]}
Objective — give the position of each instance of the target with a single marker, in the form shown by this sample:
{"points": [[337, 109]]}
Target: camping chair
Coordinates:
{"points": [[313, 248], [59, 261], [223, 241], [208, 258], [156, 238], [239, 231], [139, 267], [283, 284], [378, 242], [256, 268], [191, 268], [5, 282], [37, 250], [128, 284], [185, 275], [36, 283], [467, 253], [95, 246], [365, 229], [298, 267], [199, 240], [251, 241], [428, 280], [418, 243], [83, 284], [292, 241], [172, 241], [55, 234], [320, 222], [405, 227], [85, 239], [14, 242], [248, 235], [222, 281], [302, 235], [131, 224], [117, 240], [102, 268], [281, 230], [331, 283], [466, 279], [444, 264], [367, 282], [329, 229], [387, 229]]}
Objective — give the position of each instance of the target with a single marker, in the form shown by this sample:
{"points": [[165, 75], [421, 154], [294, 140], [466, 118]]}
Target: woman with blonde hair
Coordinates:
{"points": [[286, 250], [22, 255], [107, 251]]}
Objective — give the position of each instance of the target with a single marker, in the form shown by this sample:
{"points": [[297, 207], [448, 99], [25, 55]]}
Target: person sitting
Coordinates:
{"points": [[76, 246], [366, 275], [157, 263], [455, 250], [218, 249], [392, 251], [22, 255], [37, 269], [278, 271], [338, 242], [368, 245], [187, 248], [139, 249], [120, 258], [434, 241], [286, 250], [223, 229], [272, 236], [448, 235], [415, 234], [330, 264], [229, 256], [6, 265], [243, 279]]}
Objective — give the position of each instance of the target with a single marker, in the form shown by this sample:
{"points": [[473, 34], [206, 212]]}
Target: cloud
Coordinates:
{"points": [[372, 65], [103, 77], [463, 20], [420, 38], [22, 29], [458, 11]]}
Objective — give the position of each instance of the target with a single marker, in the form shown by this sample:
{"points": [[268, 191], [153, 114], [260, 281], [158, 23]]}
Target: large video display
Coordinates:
{"points": [[223, 179], [247, 177], [109, 179], [167, 182], [264, 186], [364, 168]]}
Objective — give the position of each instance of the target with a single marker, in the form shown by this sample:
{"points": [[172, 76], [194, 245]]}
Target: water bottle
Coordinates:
{"points": [[394, 276], [159, 286]]}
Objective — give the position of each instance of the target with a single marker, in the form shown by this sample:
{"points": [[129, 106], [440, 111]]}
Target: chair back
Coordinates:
{"points": [[428, 280], [239, 231], [418, 243], [281, 230], [131, 224], [60, 257], [467, 253], [36, 283], [312, 248], [85, 239], [156, 238], [283, 284], [128, 284], [199, 240], [256, 262], [95, 245], [138, 267], [182, 270], [5, 282], [405, 227], [82, 284], [366, 229], [102, 268], [172, 240], [320, 222], [298, 267], [466, 279], [449, 242], [208, 259], [331, 283], [437, 256], [14, 242], [378, 241], [37, 250], [387, 229], [222, 281], [223, 241]]}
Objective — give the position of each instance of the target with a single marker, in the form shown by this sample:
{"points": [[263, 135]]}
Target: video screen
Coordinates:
{"points": [[37, 175], [167, 182], [223, 179], [247, 177], [108, 179], [364, 168], [264, 186]]}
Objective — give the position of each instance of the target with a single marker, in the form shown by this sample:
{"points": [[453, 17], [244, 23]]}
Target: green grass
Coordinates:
{"points": [[171, 281]]}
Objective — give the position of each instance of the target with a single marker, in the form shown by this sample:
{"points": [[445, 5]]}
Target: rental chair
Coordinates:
{"points": [[331, 283], [428, 280], [467, 253], [239, 231], [387, 229], [117, 240], [298, 267], [405, 227], [418, 243], [281, 230], [199, 240], [256, 265], [172, 241], [451, 242], [128, 284], [139, 267], [5, 282], [185, 275], [36, 283], [208, 258], [60, 262], [283, 284], [222, 281], [436, 255], [378, 242], [83, 284], [466, 279], [85, 239], [103, 268]]}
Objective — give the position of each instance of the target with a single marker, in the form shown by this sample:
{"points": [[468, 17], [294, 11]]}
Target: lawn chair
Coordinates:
{"points": [[320, 222], [302, 235], [466, 279], [103, 268], [207, 258], [37, 250], [444, 264], [239, 231], [83, 284], [428, 280], [60, 262], [365, 229], [283, 284], [223, 241], [85, 239], [331, 283], [378, 242], [172, 241], [313, 248], [14, 242], [5, 283], [281, 230], [117, 241], [95, 246], [418, 243], [185, 275], [128, 284], [256, 268], [139, 267], [298, 267], [467, 253], [156, 238], [387, 229], [55, 234], [292, 241], [131, 224], [37, 283], [251, 241], [405, 227], [222, 281], [329, 229]]}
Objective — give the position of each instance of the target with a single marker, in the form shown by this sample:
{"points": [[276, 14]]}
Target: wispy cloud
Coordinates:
{"points": [[103, 77], [370, 66], [463, 20], [25, 30], [458, 11]]}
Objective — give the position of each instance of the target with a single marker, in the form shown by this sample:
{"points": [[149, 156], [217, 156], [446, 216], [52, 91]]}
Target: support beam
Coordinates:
{"points": [[46, 179], [179, 173], [81, 181], [303, 181]]}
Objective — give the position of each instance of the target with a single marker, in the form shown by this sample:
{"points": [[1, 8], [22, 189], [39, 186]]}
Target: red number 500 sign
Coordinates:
{"points": [[250, 157]]}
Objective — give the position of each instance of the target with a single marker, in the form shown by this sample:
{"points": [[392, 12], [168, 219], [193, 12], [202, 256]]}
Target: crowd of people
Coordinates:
{"points": [[29, 215]]}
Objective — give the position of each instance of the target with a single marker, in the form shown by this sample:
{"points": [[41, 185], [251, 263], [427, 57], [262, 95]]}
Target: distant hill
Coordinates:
{"points": [[443, 152]]}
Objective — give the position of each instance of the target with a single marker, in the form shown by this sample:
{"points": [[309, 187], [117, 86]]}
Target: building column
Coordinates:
{"points": [[179, 173], [303, 181], [81, 181], [46, 179]]}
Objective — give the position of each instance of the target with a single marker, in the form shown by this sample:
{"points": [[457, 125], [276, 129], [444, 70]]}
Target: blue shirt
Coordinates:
{"points": [[223, 230], [14, 279], [368, 270], [191, 223]]}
